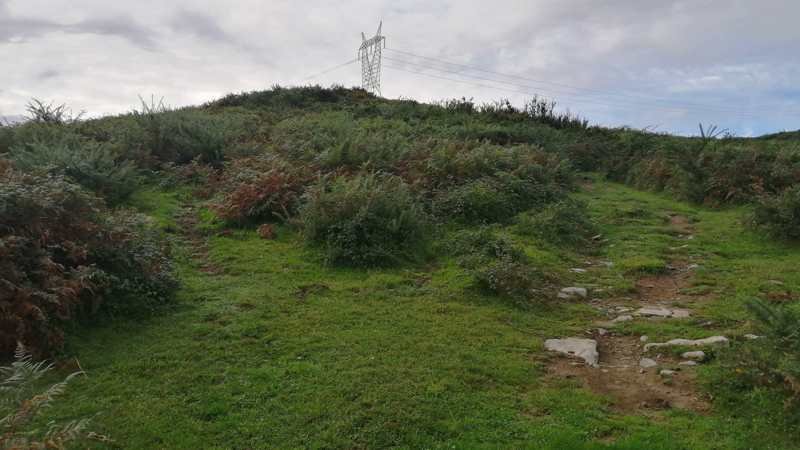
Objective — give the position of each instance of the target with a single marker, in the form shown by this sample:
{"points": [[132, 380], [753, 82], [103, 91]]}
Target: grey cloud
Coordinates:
{"points": [[200, 25], [729, 53], [47, 74], [20, 29]]}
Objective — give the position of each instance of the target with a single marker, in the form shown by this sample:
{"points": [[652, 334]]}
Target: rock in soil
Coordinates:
{"points": [[658, 311], [585, 349], [713, 340], [573, 292], [624, 318], [647, 363], [697, 355]]}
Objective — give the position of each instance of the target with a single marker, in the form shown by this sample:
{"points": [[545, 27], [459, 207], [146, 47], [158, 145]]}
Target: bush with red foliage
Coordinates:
{"points": [[62, 254], [261, 188]]}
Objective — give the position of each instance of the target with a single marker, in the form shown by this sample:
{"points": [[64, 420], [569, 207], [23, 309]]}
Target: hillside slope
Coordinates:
{"points": [[357, 272]]}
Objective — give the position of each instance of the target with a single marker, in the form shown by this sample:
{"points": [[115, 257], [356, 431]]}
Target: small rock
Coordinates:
{"points": [[644, 339], [667, 373], [688, 363], [659, 311], [752, 336], [775, 282], [692, 266], [577, 270], [681, 313], [713, 340], [585, 349], [646, 363], [697, 355], [602, 331], [572, 292], [597, 237], [624, 318], [653, 311]]}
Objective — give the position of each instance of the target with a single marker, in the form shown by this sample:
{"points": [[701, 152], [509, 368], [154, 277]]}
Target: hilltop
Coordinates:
{"points": [[324, 268]]}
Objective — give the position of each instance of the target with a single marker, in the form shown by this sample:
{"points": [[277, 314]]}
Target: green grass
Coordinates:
{"points": [[281, 351]]}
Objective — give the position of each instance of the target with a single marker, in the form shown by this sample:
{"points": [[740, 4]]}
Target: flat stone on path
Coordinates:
{"points": [[647, 363], [572, 292], [713, 340], [697, 355], [585, 349], [653, 311], [625, 318], [660, 311]]}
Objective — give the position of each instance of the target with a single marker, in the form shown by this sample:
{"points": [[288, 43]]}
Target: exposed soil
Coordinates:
{"points": [[196, 241], [619, 375], [629, 387]]}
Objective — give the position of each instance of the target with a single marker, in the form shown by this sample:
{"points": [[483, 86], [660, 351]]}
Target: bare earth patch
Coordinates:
{"points": [[631, 388]]}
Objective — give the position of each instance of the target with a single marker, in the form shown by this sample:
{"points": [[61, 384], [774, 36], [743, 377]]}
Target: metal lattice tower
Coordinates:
{"points": [[370, 55]]}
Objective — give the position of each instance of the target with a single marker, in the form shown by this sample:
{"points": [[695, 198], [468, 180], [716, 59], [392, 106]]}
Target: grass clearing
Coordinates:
{"points": [[282, 351]]}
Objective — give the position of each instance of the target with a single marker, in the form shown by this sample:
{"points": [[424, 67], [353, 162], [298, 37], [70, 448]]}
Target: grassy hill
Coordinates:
{"points": [[321, 268]]}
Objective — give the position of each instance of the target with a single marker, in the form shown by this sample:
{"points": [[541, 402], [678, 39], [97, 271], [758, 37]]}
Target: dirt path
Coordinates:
{"points": [[194, 240], [620, 377]]}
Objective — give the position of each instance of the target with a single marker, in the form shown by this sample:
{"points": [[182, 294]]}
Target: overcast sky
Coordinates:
{"points": [[661, 64]]}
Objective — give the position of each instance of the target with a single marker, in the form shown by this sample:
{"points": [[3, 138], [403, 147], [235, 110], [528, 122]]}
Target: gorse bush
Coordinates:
{"points": [[780, 214], [489, 183], [164, 135], [367, 220], [498, 266], [333, 140], [92, 165], [478, 201], [62, 256], [261, 188], [565, 222]]}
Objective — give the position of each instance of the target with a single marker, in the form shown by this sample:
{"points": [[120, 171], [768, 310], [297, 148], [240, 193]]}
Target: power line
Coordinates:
{"points": [[331, 69], [517, 91], [553, 93], [633, 96]]}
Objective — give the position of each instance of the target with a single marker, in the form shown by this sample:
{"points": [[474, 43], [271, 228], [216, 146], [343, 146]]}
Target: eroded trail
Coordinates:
{"points": [[633, 379]]}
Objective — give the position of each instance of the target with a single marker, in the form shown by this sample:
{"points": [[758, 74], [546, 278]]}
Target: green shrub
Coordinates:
{"points": [[478, 201], [94, 166], [780, 214], [563, 223], [337, 139], [498, 266], [6, 138], [62, 256], [480, 244], [772, 360], [490, 184], [368, 220], [181, 136], [510, 278]]}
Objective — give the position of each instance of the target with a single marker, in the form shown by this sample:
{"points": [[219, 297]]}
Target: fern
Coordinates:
{"points": [[779, 351], [21, 404]]}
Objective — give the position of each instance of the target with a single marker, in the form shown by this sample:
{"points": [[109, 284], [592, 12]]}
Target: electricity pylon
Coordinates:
{"points": [[370, 55]]}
